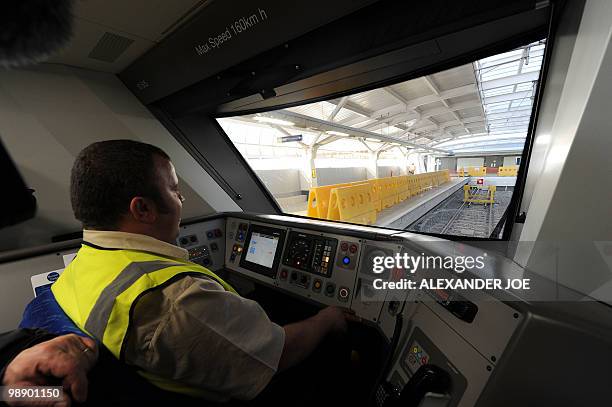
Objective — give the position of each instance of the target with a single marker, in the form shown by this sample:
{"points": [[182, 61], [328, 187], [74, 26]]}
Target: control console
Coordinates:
{"points": [[310, 253], [205, 243], [318, 266]]}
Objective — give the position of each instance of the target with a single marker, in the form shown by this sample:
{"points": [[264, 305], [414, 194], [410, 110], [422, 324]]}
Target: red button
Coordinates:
{"points": [[283, 274], [344, 246], [353, 248]]}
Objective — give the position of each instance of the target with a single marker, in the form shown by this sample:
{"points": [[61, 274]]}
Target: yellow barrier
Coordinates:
{"points": [[318, 199], [461, 172], [479, 194], [375, 189], [403, 189], [352, 204], [510, 171], [477, 171], [423, 182], [388, 192], [413, 182], [383, 192], [318, 202]]}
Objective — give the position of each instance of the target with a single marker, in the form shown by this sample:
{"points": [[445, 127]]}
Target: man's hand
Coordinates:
{"points": [[301, 338], [336, 318], [65, 359]]}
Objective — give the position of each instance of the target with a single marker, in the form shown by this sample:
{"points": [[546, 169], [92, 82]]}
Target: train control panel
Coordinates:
{"points": [[440, 341], [445, 347], [320, 267], [204, 242]]}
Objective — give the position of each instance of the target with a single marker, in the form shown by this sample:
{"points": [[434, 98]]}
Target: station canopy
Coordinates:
{"points": [[481, 107]]}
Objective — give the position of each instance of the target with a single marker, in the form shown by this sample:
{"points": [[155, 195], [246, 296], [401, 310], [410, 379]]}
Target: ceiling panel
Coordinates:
{"points": [[88, 36], [141, 22], [147, 19], [454, 78], [412, 89]]}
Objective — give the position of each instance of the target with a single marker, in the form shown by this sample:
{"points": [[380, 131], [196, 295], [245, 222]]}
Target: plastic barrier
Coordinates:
{"points": [[477, 171], [318, 199], [479, 194], [414, 185], [510, 171], [384, 192], [352, 204], [388, 192], [403, 190], [423, 182], [375, 189]]}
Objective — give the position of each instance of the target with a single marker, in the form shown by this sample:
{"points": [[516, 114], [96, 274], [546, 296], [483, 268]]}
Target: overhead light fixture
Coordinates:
{"points": [[272, 120], [336, 133], [372, 139], [395, 144], [444, 139], [411, 122]]}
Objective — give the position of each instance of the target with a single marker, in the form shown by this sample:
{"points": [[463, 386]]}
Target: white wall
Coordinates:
{"points": [[50, 112], [510, 161], [470, 162], [281, 183], [328, 176], [387, 171]]}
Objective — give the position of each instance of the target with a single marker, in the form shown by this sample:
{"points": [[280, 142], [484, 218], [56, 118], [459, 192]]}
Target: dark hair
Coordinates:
{"points": [[107, 175]]}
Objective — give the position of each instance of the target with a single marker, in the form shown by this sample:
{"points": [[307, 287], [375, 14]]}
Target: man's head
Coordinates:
{"points": [[127, 186]]}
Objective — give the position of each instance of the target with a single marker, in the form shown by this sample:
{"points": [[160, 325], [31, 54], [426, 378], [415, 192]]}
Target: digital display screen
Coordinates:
{"points": [[262, 249]]}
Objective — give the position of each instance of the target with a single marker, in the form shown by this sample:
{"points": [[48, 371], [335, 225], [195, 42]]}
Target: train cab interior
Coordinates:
{"points": [[312, 139]]}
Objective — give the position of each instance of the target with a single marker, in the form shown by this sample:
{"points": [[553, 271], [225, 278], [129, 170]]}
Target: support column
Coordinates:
{"points": [[372, 168], [309, 171], [405, 163]]}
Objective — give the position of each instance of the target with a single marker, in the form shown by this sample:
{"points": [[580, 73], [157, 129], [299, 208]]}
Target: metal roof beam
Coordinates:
{"points": [[510, 80], [325, 125], [436, 90], [427, 99], [339, 106], [508, 97]]}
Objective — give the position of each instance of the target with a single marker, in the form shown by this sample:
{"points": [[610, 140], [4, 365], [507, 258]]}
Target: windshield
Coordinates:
{"points": [[436, 154]]}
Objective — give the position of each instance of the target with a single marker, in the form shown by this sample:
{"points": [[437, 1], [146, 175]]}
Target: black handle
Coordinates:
{"points": [[427, 379]]}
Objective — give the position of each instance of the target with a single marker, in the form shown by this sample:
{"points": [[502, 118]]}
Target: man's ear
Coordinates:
{"points": [[143, 210]]}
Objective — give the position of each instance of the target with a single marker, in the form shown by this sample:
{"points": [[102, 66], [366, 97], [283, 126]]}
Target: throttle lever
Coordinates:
{"points": [[427, 379]]}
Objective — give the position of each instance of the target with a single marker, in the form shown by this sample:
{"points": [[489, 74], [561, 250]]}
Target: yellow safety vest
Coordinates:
{"points": [[101, 286]]}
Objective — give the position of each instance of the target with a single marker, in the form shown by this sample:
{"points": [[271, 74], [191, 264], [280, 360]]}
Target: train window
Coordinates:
{"points": [[437, 154]]}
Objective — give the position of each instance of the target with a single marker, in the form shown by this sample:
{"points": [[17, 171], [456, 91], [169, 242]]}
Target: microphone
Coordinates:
{"points": [[33, 30]]}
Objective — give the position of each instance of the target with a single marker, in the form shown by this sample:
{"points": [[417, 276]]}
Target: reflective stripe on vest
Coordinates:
{"points": [[100, 287]]}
